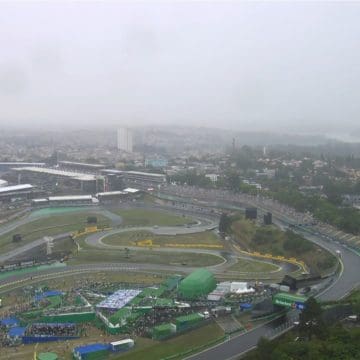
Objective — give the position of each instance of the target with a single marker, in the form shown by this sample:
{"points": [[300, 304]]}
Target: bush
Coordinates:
{"points": [[91, 220], [296, 244], [16, 238]]}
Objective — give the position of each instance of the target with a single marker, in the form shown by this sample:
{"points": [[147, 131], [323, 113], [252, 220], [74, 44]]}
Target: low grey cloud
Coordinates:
{"points": [[288, 66]]}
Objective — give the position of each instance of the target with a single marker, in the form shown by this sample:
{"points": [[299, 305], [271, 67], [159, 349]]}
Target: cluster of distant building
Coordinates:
{"points": [[34, 180]]}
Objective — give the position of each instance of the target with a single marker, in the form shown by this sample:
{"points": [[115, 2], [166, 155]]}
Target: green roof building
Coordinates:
{"points": [[199, 283]]}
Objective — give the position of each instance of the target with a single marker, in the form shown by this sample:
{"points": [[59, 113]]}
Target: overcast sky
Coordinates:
{"points": [[239, 65]]}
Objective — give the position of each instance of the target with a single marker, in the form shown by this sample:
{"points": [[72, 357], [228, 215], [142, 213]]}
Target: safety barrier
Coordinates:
{"points": [[150, 243], [291, 260], [88, 230]]}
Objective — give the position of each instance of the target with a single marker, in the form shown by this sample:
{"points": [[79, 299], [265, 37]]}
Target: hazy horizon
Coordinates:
{"points": [[281, 67]]}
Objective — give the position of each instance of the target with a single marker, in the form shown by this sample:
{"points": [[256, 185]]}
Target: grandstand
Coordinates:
{"points": [[23, 191], [45, 332], [137, 177], [80, 166], [78, 180], [118, 299], [110, 196], [8, 165]]}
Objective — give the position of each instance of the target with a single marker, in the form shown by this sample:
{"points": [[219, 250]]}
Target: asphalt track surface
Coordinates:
{"points": [[347, 279], [30, 217], [204, 223]]}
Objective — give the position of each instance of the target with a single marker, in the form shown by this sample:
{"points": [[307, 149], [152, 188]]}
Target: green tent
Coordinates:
{"points": [[199, 283]]}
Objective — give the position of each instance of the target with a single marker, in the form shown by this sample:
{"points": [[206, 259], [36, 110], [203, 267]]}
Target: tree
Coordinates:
{"points": [[16, 238], [311, 322], [233, 181], [91, 220], [264, 348], [224, 223]]}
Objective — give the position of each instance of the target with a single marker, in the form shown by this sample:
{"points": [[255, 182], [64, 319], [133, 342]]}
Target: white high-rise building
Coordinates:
{"points": [[124, 139]]}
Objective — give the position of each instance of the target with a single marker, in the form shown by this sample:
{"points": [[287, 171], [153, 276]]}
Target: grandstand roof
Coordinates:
{"points": [[119, 299], [113, 171], [94, 166], [21, 163], [131, 190], [12, 188], [111, 193], [144, 173], [57, 172], [70, 197]]}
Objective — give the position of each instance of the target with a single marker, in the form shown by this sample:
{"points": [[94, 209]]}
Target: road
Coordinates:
{"points": [[348, 279]]}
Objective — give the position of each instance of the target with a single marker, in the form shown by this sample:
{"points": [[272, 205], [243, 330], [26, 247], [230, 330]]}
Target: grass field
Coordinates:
{"points": [[145, 349], [48, 226], [271, 240], [354, 295], [150, 350], [151, 217], [131, 238], [145, 256], [244, 265]]}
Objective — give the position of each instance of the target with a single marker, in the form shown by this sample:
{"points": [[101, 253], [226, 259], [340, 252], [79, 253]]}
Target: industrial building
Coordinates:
{"points": [[196, 285]]}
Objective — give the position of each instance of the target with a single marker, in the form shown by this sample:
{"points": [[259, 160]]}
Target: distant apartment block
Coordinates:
{"points": [[125, 139]]}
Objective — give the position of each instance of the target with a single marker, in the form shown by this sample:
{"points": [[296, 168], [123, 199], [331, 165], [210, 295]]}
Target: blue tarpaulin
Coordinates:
{"points": [[17, 331], [45, 338], [9, 322], [82, 350], [245, 306], [47, 294]]}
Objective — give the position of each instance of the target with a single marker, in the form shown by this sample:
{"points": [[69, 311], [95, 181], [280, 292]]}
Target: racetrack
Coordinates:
{"points": [[340, 285]]}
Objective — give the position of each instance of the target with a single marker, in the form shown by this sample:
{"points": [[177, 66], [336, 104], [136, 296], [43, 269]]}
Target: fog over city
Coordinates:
{"points": [[284, 66]]}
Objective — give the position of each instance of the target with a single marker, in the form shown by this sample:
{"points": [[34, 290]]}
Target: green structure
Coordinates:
{"points": [[163, 331], [82, 317], [199, 283], [120, 316], [188, 321], [289, 300], [47, 356]]}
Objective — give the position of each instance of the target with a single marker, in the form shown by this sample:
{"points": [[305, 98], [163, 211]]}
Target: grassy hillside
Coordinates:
{"points": [[271, 240]]}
